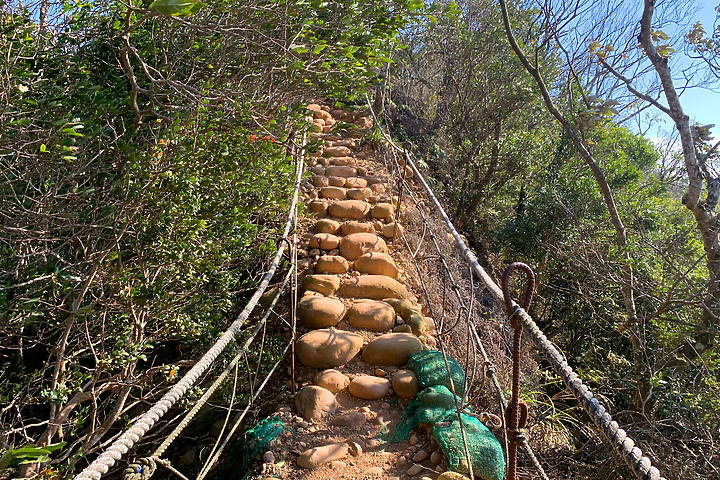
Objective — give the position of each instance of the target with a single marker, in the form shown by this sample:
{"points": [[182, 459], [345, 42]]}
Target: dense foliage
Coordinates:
{"points": [[147, 162], [522, 191]]}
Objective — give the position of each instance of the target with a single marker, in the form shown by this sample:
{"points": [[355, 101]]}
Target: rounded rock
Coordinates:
{"points": [[354, 209], [327, 226], [405, 383], [320, 312], [320, 181], [377, 263], [324, 241], [333, 193], [340, 171], [383, 210], [359, 193], [336, 181], [318, 206], [349, 419], [347, 161], [325, 284], [332, 264], [391, 349], [373, 286], [336, 152], [319, 456], [355, 182], [313, 402], [348, 228], [331, 380], [368, 387], [327, 348], [355, 245], [372, 315]]}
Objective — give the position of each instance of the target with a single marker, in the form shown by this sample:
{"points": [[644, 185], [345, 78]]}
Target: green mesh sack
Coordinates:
{"points": [[259, 438], [486, 453], [430, 405], [429, 367]]}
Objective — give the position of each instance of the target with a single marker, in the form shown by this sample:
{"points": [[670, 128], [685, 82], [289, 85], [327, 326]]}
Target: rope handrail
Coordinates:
{"points": [[102, 464], [632, 455]]}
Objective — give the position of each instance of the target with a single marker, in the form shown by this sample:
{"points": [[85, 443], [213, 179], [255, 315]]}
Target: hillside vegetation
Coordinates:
{"points": [[146, 162]]}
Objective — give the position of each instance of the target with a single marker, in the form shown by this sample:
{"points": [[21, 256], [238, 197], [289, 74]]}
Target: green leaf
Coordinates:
{"points": [[175, 8], [43, 148], [5, 460]]}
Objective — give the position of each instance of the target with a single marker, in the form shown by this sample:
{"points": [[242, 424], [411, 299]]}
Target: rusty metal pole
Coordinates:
{"points": [[516, 413]]}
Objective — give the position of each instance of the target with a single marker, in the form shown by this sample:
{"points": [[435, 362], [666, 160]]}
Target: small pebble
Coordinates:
{"points": [[384, 405], [337, 465], [414, 470], [414, 440], [379, 372], [436, 457], [373, 442], [365, 409], [269, 457]]}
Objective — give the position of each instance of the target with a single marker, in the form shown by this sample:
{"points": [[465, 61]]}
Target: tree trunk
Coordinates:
{"points": [[627, 286], [707, 221]]}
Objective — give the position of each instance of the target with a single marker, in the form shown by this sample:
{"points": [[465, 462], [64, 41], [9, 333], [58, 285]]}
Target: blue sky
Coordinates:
{"points": [[702, 105]]}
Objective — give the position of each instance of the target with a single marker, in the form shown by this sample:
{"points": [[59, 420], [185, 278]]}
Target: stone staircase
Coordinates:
{"points": [[359, 323]]}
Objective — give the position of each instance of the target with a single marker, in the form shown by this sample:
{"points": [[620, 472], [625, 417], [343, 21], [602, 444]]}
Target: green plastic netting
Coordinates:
{"points": [[430, 405], [436, 405], [259, 438], [429, 367], [486, 452]]}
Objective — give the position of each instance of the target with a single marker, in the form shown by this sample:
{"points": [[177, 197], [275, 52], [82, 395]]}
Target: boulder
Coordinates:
{"points": [[320, 312], [359, 193], [452, 476], [392, 349], [332, 380], [313, 402], [389, 230], [355, 245], [324, 241], [349, 161], [354, 209], [402, 329], [345, 142], [331, 264], [349, 419], [328, 348], [318, 206], [405, 383], [336, 181], [383, 211], [325, 284], [327, 226], [355, 182], [333, 193], [415, 320], [377, 188], [399, 304], [322, 115], [377, 263], [372, 315], [368, 387], [373, 286], [320, 181], [348, 228], [318, 456], [340, 171], [337, 151], [314, 107], [318, 170]]}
